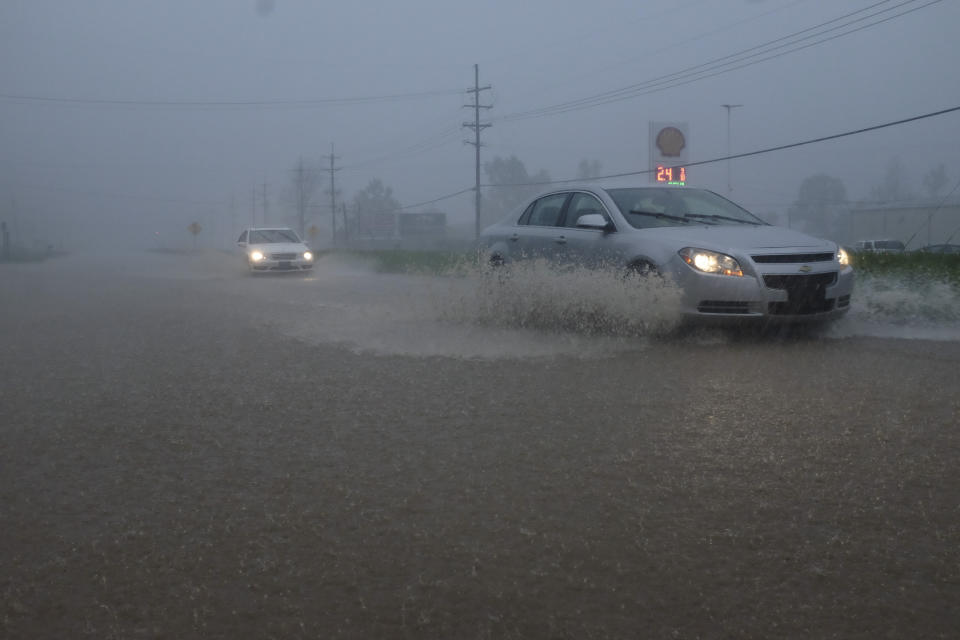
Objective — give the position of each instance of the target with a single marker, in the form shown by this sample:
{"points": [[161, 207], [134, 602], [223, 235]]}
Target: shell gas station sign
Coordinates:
{"points": [[669, 152]]}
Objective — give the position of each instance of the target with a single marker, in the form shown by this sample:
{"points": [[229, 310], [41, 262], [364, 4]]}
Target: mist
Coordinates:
{"points": [[128, 122]]}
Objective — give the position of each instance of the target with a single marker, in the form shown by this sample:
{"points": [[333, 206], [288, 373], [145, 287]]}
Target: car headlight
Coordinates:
{"points": [[256, 256], [843, 257], [307, 256], [711, 262]]}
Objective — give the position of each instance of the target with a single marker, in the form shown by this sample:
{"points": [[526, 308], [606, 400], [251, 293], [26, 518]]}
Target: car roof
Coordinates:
{"points": [[600, 185]]}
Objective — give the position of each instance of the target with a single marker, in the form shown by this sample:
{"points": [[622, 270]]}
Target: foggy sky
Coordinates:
{"points": [[131, 166]]}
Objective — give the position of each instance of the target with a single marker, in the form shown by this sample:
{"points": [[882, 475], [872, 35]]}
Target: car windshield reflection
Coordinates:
{"points": [[272, 236], [657, 207]]}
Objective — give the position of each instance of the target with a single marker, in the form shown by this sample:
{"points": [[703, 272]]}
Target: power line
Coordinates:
{"points": [[724, 64], [227, 103], [441, 198], [679, 43], [746, 154], [933, 213], [635, 89], [429, 143]]}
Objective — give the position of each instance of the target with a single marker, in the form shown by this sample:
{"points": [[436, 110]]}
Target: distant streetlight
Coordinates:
{"points": [[729, 108]]}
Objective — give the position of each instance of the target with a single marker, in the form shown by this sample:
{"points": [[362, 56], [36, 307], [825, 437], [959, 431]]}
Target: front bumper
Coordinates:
{"points": [[275, 264], [776, 293]]}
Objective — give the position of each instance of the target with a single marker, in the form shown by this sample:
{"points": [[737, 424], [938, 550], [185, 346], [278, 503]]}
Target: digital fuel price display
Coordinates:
{"points": [[671, 175]]}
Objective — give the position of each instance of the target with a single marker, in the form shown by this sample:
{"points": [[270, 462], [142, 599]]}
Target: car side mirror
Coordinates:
{"points": [[594, 221], [241, 244]]}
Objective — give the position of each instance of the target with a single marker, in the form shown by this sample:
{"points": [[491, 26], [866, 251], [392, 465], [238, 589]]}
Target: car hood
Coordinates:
{"points": [[743, 237], [279, 247]]}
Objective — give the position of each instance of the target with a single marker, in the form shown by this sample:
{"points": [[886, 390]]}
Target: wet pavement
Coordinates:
{"points": [[187, 451]]}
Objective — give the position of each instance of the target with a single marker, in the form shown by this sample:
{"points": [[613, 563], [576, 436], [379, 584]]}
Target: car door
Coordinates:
{"points": [[590, 247], [537, 231]]}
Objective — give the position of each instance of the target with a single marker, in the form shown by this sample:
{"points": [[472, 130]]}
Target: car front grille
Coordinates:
{"points": [[723, 306], [791, 258], [283, 256], [806, 294]]}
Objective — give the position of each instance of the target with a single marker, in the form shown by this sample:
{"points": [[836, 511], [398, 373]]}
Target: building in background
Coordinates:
{"points": [[916, 224]]}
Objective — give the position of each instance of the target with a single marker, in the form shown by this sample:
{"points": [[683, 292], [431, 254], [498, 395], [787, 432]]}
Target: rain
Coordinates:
{"points": [[409, 440]]}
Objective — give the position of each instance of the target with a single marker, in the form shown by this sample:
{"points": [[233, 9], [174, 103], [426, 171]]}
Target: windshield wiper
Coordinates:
{"points": [[655, 214], [714, 216]]}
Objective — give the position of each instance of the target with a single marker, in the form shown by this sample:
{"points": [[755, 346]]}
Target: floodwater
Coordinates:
{"points": [[533, 312], [187, 451]]}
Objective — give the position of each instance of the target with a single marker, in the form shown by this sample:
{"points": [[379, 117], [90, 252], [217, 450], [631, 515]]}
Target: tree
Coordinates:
{"points": [[588, 169], [195, 229], [894, 187], [375, 209], [935, 180], [376, 197], [819, 203], [510, 186]]}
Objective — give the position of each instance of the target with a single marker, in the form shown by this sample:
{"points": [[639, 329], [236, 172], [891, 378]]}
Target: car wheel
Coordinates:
{"points": [[643, 269]]}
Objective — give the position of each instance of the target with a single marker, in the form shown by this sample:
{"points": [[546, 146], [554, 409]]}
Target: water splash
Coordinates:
{"points": [[902, 307], [537, 295]]}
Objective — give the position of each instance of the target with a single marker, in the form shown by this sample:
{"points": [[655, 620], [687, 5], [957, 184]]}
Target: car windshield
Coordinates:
{"points": [[272, 236], [646, 207]]}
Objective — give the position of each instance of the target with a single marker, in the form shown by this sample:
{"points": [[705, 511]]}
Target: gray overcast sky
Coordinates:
{"points": [[144, 165]]}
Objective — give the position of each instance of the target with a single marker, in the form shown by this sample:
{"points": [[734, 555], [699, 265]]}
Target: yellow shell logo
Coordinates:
{"points": [[671, 142]]}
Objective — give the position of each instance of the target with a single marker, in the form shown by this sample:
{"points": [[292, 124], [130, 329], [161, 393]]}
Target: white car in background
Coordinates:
{"points": [[275, 249], [728, 263], [879, 246]]}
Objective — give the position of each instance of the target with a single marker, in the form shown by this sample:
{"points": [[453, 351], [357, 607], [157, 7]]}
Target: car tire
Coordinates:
{"points": [[643, 269]]}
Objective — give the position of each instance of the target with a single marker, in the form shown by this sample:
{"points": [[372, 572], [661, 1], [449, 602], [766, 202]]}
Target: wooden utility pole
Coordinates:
{"points": [[477, 127], [333, 191], [729, 108], [301, 197], [266, 209]]}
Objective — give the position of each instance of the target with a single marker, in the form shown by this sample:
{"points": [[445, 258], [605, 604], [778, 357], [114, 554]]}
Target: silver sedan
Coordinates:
{"points": [[728, 263]]}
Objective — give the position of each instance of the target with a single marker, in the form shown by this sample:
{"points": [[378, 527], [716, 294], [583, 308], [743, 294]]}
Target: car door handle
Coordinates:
{"points": [[560, 240], [514, 237]]}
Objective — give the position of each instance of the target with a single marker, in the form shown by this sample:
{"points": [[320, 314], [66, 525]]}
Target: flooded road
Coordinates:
{"points": [[188, 451]]}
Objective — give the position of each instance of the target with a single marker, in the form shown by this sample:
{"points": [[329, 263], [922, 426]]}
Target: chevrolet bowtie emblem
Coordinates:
{"points": [[806, 269]]}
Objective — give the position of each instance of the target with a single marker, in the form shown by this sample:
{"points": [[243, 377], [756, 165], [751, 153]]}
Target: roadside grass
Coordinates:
{"points": [[914, 266]]}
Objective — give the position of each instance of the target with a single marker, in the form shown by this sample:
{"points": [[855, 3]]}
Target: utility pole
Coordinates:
{"points": [[333, 191], [301, 197], [729, 108], [477, 127], [266, 207], [253, 207]]}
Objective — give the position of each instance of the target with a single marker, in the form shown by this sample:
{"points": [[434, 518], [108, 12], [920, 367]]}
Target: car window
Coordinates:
{"points": [[525, 218], [243, 236], [582, 204], [546, 210], [675, 205], [268, 236]]}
